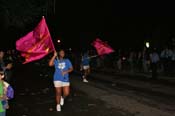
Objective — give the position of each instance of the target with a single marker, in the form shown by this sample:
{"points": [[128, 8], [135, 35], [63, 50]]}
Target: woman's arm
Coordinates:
{"points": [[67, 71], [9, 66], [3, 98], [51, 62], [70, 68]]}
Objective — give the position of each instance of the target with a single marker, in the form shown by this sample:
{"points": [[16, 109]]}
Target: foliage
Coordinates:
{"points": [[18, 13]]}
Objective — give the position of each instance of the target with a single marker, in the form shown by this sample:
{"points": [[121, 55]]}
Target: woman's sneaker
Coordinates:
{"points": [[58, 108], [62, 101], [85, 80]]}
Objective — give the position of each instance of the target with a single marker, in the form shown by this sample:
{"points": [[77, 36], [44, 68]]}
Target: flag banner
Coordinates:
{"points": [[102, 47], [36, 44]]}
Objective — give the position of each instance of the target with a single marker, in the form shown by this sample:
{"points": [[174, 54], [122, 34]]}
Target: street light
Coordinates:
{"points": [[147, 44], [59, 41]]}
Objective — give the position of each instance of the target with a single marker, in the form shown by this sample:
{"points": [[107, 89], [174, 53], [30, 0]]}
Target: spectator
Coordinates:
{"points": [[173, 62], [154, 57], [166, 56], [6, 65], [139, 61], [131, 61], [145, 60], [6, 93]]}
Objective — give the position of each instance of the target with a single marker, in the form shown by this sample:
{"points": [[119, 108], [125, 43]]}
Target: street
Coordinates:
{"points": [[118, 56], [104, 95]]}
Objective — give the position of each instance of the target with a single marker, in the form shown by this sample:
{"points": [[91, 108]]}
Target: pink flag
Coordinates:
{"points": [[36, 44], [102, 47]]}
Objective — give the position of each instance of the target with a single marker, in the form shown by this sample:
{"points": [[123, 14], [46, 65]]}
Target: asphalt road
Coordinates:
{"points": [[102, 96], [34, 96]]}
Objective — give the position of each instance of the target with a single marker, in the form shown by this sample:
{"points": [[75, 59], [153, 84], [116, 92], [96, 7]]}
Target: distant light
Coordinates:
{"points": [[70, 49], [147, 44], [123, 58], [59, 41]]}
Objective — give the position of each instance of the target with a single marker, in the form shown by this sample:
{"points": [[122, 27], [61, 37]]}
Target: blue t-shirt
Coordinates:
{"points": [[85, 60], [62, 65]]}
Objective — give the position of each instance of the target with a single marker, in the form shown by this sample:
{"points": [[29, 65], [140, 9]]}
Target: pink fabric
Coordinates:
{"points": [[36, 44], [102, 47]]}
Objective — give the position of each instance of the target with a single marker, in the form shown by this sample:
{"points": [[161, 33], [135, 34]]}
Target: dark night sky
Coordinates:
{"points": [[79, 23], [128, 23]]}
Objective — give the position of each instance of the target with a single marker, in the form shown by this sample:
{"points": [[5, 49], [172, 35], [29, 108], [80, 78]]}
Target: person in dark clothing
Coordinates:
{"points": [[6, 65], [166, 56], [154, 57]]}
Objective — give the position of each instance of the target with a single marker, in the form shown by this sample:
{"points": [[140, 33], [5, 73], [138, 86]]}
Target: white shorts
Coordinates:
{"points": [[86, 67], [61, 84]]}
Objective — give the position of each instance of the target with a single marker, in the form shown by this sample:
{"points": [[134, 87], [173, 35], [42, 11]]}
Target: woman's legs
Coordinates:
{"points": [[86, 73], [66, 91], [58, 94], [58, 98]]}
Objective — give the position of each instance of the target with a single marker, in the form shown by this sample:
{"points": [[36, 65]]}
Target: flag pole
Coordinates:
{"points": [[51, 41], [50, 38]]}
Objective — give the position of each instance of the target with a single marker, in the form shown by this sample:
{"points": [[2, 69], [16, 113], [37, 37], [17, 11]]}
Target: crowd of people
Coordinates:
{"points": [[145, 61], [153, 61], [148, 60]]}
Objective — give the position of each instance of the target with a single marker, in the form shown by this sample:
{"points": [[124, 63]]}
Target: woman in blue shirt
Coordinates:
{"points": [[61, 77], [85, 66]]}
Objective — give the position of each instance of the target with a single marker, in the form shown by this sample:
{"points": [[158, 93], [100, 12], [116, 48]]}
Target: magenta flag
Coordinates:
{"points": [[102, 47], [36, 44]]}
